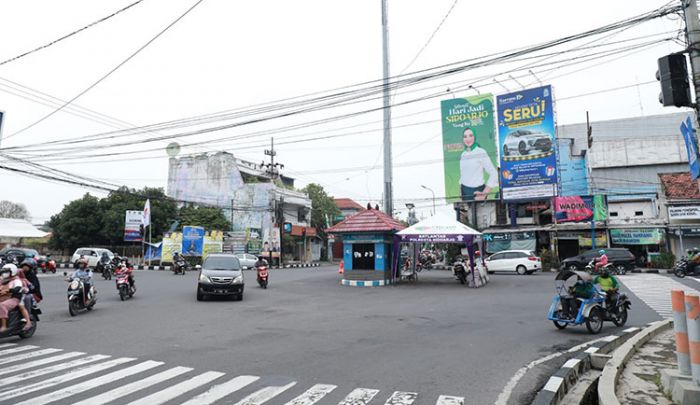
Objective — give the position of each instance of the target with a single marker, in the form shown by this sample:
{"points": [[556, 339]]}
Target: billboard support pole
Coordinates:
{"points": [[150, 243], [388, 197]]}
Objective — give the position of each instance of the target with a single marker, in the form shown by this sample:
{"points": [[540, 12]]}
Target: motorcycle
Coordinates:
{"points": [[47, 264], [15, 326], [124, 287], [76, 301], [590, 268], [106, 268], [262, 276], [459, 270], [591, 311], [682, 268], [180, 266]]}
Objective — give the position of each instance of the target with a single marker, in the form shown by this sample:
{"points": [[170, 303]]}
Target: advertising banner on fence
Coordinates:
{"points": [[469, 149], [647, 236], [132, 225], [213, 243], [580, 208], [527, 145], [691, 147], [192, 240], [172, 242]]}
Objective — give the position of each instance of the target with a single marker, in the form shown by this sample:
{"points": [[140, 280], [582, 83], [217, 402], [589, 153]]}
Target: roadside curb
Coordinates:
{"points": [[365, 283], [564, 379], [614, 366], [142, 267]]}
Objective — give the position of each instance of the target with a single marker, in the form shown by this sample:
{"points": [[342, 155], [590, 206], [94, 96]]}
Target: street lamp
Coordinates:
{"points": [[431, 190], [411, 214]]}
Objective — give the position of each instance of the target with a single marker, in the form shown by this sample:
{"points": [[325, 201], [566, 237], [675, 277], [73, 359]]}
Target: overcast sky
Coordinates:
{"points": [[231, 54]]}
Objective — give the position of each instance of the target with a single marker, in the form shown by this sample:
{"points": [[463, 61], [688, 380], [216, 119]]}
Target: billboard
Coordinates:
{"points": [[172, 243], [206, 178], [691, 147], [526, 143], [132, 224], [213, 243], [580, 208], [470, 155], [192, 240]]}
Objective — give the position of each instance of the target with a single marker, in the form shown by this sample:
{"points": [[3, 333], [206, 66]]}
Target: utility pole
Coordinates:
{"points": [[388, 202], [272, 169], [692, 30]]}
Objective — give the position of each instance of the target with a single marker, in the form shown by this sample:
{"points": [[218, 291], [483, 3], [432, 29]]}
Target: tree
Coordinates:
{"points": [[8, 209], [209, 218], [322, 208], [78, 224]]}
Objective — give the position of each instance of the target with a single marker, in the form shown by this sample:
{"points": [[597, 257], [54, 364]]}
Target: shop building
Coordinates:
{"points": [[681, 199]]}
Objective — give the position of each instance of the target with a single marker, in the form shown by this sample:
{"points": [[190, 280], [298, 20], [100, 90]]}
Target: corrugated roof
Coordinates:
{"points": [[679, 185], [367, 221], [347, 203]]}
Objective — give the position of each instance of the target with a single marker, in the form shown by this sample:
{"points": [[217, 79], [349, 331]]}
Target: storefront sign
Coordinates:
{"points": [[527, 144], [646, 236], [496, 237], [580, 208], [687, 212], [600, 240], [469, 149], [688, 232]]}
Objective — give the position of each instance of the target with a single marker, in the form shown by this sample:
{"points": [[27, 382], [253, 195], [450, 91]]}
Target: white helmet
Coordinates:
{"points": [[11, 268]]}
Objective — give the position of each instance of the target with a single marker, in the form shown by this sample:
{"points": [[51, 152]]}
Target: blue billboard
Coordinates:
{"points": [[192, 240], [526, 144], [691, 147]]}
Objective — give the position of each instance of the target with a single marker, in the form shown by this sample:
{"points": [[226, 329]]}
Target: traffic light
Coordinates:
{"points": [[675, 86]]}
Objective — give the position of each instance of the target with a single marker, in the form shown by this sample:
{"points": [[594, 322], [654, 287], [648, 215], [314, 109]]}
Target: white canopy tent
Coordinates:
{"points": [[439, 228], [19, 228]]}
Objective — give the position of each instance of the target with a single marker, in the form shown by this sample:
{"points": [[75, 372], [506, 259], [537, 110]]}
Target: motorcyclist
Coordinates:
{"points": [[124, 269], [28, 269], [11, 290], [566, 280], [609, 284], [85, 275], [601, 261], [261, 262], [178, 261], [31, 283]]}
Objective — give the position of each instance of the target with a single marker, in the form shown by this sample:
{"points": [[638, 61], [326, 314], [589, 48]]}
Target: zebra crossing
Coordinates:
{"points": [[30, 375], [655, 290]]}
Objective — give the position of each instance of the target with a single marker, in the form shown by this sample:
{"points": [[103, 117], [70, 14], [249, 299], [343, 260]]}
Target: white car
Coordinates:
{"points": [[91, 254], [247, 260], [519, 261]]}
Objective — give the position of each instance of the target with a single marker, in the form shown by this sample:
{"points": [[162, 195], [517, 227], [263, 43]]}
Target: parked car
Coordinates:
{"points": [[247, 260], [19, 253], [522, 141], [220, 274], [621, 258], [519, 261], [91, 254]]}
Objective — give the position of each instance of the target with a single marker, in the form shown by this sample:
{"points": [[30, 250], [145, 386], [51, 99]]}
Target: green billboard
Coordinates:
{"points": [[469, 149]]}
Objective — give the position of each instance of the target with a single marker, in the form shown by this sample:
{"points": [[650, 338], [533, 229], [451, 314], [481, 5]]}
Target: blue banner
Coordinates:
{"points": [[192, 240], [691, 146], [527, 144]]}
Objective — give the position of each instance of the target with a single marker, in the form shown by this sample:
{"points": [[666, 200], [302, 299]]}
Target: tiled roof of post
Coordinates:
{"points": [[347, 203], [367, 221], [679, 186]]}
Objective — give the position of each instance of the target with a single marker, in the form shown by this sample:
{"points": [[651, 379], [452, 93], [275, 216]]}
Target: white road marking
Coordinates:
{"points": [[52, 369], [81, 372], [655, 290], [219, 391], [41, 362], [359, 396], [265, 394], [401, 398], [17, 350], [448, 400], [90, 384], [128, 389], [313, 394], [25, 356], [179, 389], [510, 386], [4, 345]]}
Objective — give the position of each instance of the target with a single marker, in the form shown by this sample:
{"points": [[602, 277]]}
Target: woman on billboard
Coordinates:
{"points": [[474, 165]]}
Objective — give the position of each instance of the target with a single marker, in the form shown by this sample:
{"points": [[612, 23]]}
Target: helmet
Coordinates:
{"points": [[601, 251], [689, 251], [11, 268], [604, 273], [696, 250], [28, 262]]}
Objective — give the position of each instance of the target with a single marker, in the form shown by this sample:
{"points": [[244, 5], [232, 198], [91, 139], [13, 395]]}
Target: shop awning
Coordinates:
{"points": [[439, 228], [19, 228]]}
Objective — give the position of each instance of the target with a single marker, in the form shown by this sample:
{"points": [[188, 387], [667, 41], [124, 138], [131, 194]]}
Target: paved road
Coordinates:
{"points": [[305, 337]]}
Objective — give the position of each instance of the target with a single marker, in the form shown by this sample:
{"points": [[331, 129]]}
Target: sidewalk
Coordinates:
{"points": [[640, 380]]}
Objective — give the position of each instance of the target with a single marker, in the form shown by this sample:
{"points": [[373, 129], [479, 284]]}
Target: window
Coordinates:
{"points": [[497, 256], [613, 213], [638, 213]]}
